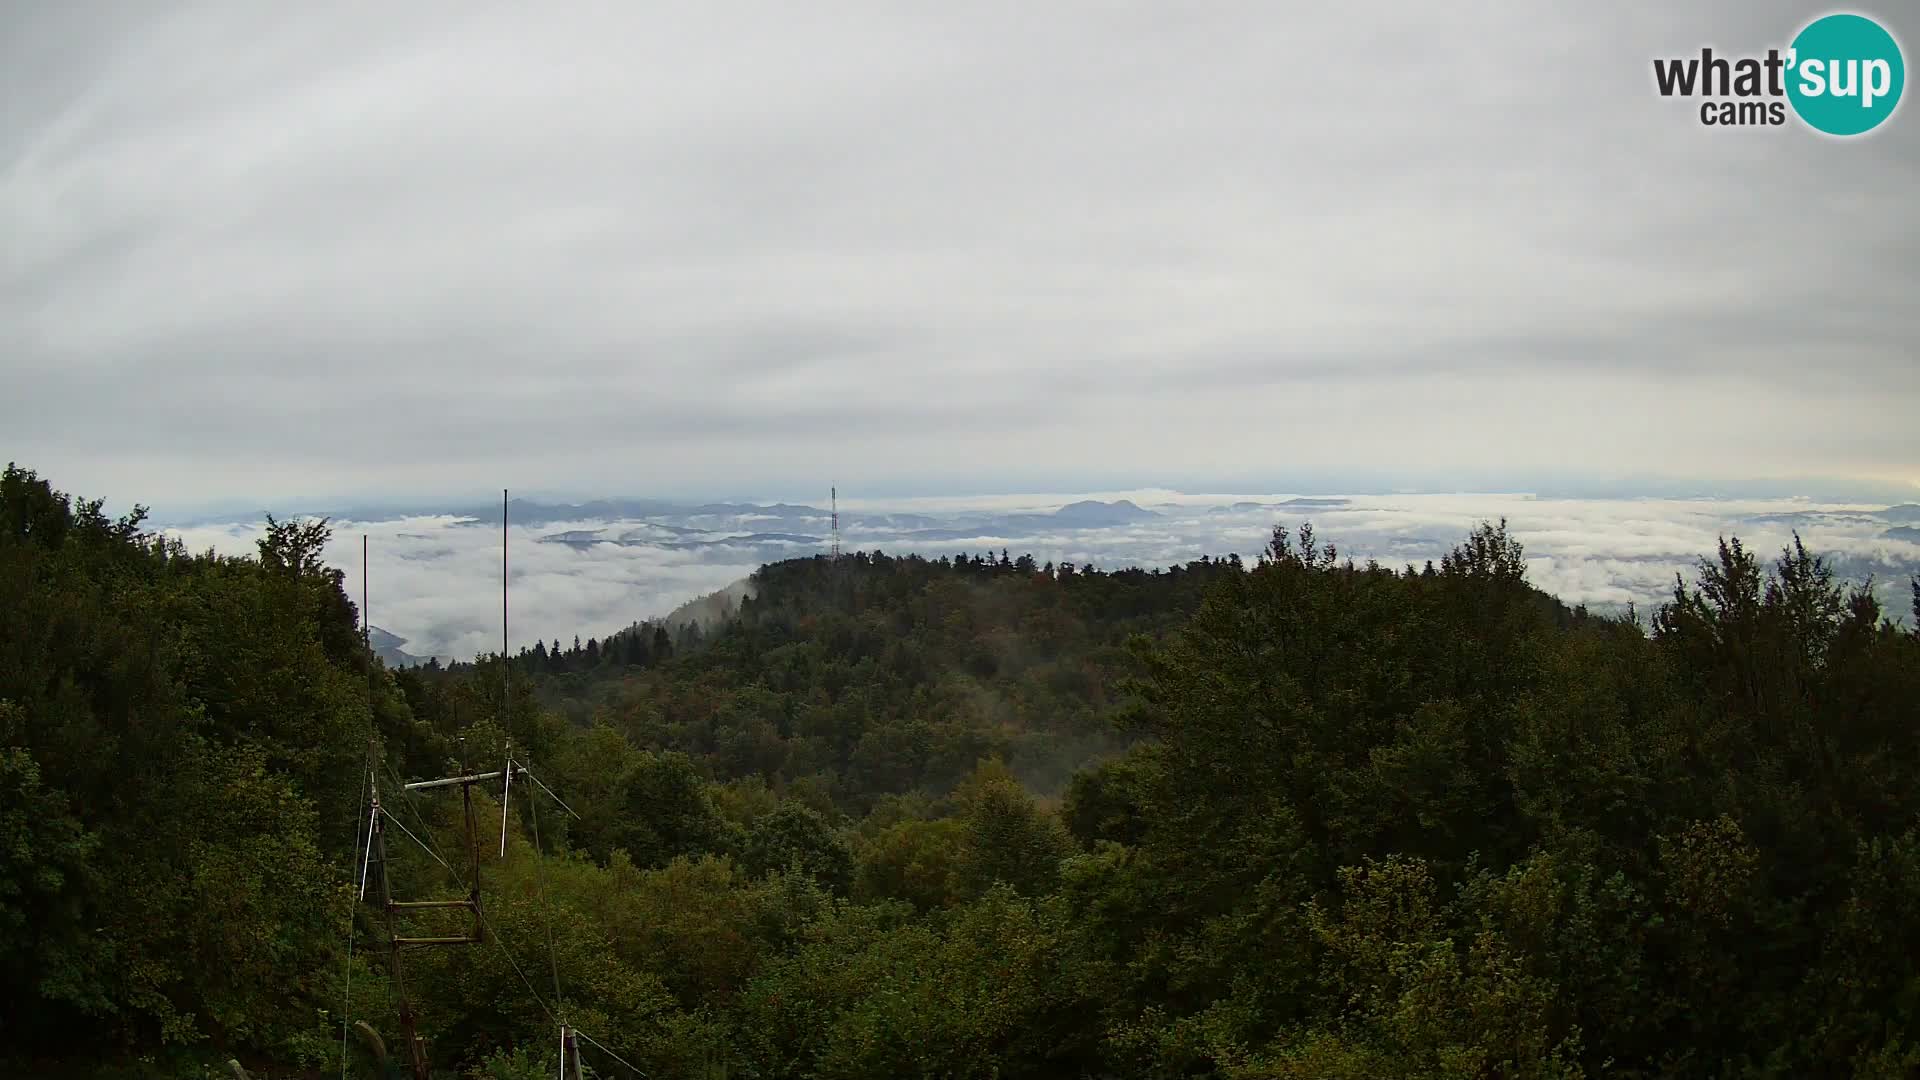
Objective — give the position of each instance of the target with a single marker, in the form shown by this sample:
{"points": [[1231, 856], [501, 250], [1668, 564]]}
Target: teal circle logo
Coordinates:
{"points": [[1845, 74]]}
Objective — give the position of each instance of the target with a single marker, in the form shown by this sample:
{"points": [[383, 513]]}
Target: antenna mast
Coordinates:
{"points": [[398, 941], [503, 607], [366, 621], [503, 611], [834, 495]]}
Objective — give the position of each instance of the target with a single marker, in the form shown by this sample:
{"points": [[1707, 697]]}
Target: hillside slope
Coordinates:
{"points": [[1314, 819]]}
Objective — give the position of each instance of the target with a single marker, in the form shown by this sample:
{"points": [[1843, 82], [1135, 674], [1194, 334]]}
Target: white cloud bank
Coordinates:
{"points": [[435, 580]]}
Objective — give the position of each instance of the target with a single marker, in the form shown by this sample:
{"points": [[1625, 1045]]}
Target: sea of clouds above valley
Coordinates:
{"points": [[435, 579]]}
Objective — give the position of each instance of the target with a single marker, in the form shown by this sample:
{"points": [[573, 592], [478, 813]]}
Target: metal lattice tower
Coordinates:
{"points": [[402, 939]]}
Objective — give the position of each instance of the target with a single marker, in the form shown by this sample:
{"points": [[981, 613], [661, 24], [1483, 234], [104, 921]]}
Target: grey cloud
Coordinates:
{"points": [[353, 247]]}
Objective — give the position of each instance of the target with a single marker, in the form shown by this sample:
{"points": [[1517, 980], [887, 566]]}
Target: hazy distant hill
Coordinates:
{"points": [[710, 610], [1086, 514], [1091, 513], [387, 647], [755, 528]]}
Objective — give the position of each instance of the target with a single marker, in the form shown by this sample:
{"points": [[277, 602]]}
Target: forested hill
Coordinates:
{"points": [[878, 675], [881, 675], [1314, 820]]}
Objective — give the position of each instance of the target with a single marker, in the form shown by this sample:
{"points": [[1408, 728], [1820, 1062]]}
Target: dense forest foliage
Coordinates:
{"points": [[1294, 817]]}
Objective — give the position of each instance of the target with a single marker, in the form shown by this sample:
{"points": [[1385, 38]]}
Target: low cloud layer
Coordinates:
{"points": [[435, 579], [436, 582]]}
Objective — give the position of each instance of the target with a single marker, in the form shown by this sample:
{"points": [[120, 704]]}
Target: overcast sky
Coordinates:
{"points": [[372, 249]]}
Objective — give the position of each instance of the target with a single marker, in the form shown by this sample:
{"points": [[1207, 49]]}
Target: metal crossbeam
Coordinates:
{"points": [[452, 780], [462, 940]]}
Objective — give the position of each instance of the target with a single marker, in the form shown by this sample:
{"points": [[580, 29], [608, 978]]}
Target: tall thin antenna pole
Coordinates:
{"points": [[366, 786], [503, 609], [376, 851], [834, 494], [366, 781], [506, 799]]}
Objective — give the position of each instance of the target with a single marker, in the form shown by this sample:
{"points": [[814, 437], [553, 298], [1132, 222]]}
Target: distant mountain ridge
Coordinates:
{"points": [[746, 526], [1085, 514]]}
